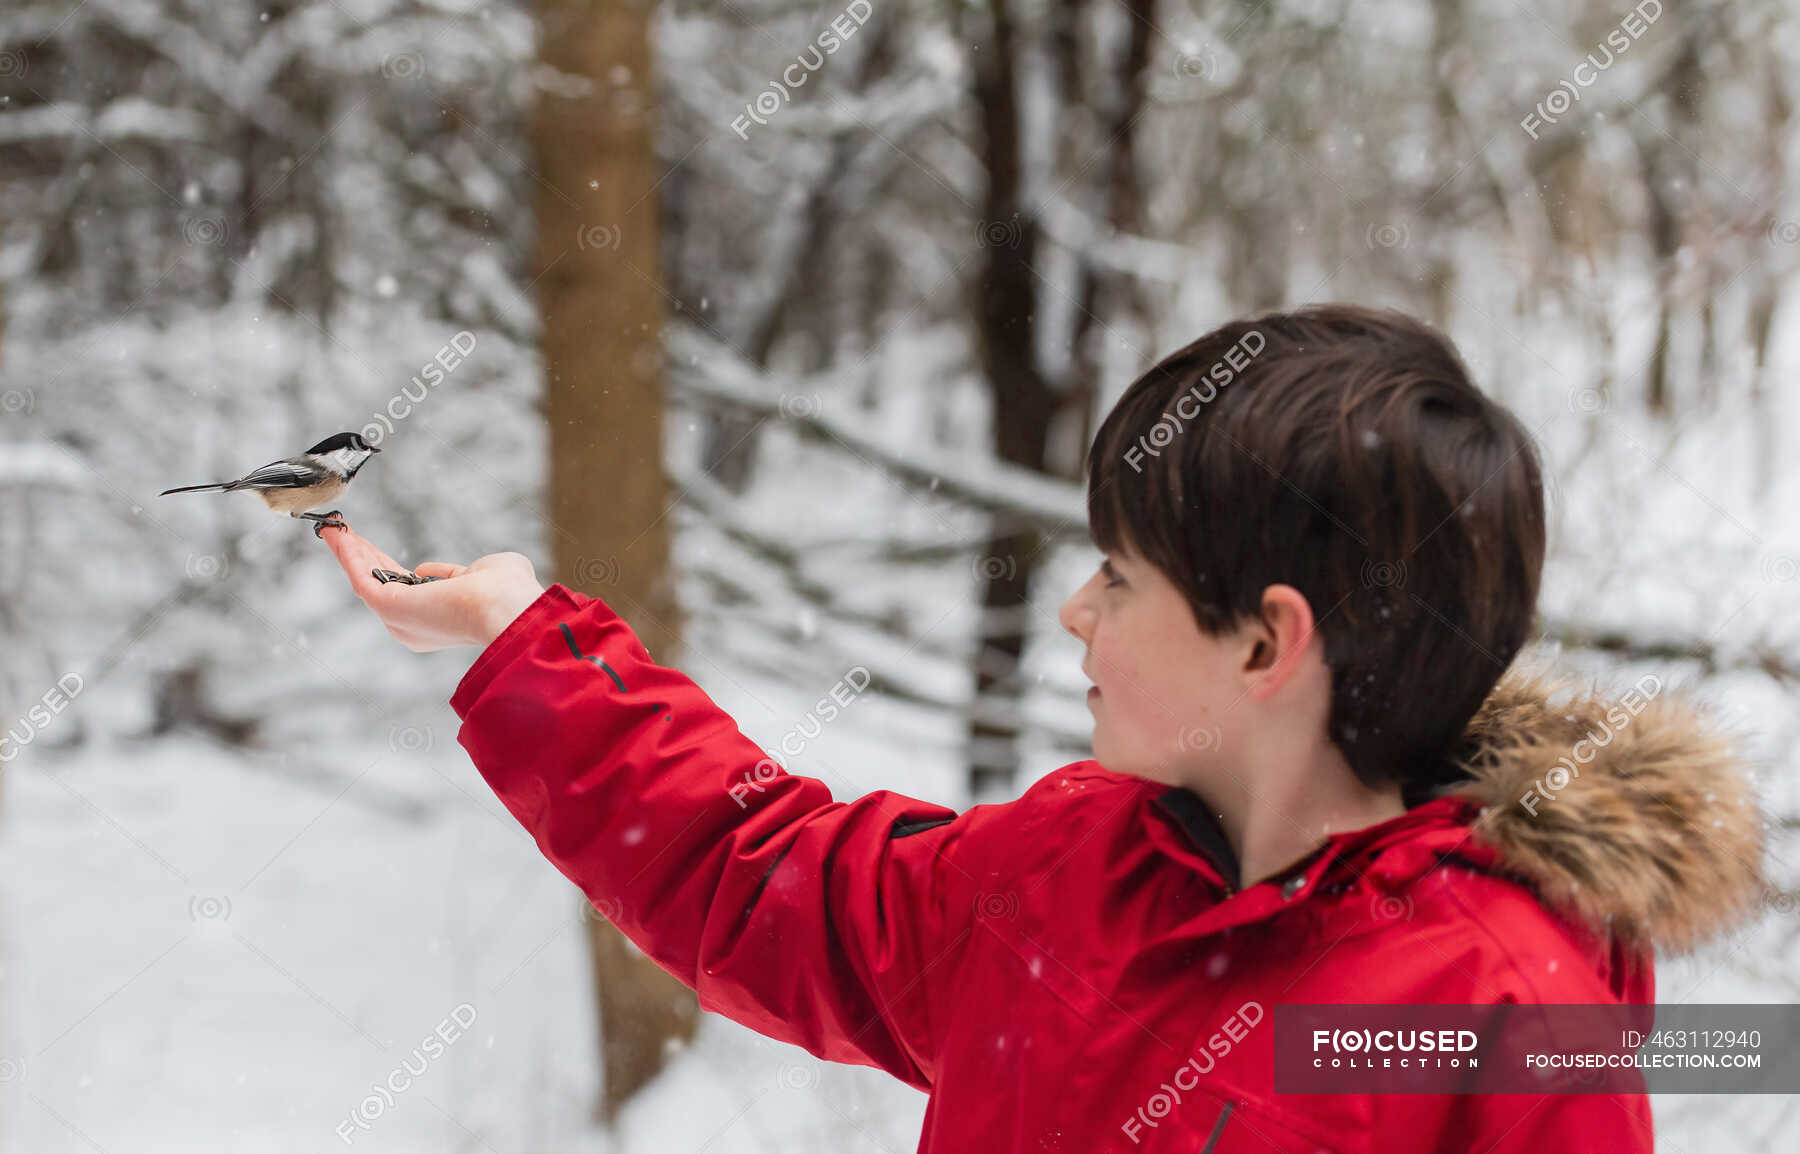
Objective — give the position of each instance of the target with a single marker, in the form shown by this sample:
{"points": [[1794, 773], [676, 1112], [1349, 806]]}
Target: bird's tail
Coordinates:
{"points": [[193, 489]]}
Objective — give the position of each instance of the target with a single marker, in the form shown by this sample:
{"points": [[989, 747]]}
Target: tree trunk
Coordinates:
{"points": [[599, 292], [1670, 181], [1027, 402], [1022, 407]]}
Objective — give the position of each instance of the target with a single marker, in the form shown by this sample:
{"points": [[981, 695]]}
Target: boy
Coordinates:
{"points": [[1309, 785]]}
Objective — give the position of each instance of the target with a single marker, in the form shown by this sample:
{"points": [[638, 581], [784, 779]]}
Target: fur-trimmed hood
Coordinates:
{"points": [[1634, 813]]}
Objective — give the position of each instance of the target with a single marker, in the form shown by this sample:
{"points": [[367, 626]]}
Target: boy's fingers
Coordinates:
{"points": [[346, 546], [439, 569], [357, 557]]}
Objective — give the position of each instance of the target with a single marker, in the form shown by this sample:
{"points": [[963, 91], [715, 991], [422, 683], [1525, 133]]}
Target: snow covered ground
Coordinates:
{"points": [[207, 951]]}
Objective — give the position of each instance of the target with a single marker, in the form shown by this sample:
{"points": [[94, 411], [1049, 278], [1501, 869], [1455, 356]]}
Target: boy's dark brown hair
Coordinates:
{"points": [[1344, 451]]}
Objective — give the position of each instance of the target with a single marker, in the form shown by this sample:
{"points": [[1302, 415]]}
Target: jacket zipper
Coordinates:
{"points": [[1218, 1129]]}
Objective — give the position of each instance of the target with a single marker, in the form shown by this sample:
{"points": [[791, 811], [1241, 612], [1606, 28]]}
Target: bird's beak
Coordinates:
{"points": [[373, 449]]}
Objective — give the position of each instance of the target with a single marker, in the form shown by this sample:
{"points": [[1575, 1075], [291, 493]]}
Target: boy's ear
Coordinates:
{"points": [[1279, 641]]}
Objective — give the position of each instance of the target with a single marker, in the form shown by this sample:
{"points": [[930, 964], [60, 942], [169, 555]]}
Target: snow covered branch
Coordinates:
{"points": [[125, 119], [704, 369], [1639, 646]]}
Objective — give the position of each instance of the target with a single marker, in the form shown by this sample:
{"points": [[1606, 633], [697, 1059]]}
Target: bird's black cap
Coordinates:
{"points": [[343, 441]]}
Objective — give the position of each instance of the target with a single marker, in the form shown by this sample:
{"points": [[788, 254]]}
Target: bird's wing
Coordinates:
{"points": [[289, 474]]}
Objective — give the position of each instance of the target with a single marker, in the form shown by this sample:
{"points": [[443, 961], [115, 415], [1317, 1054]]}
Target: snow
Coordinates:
{"points": [[39, 463], [205, 950]]}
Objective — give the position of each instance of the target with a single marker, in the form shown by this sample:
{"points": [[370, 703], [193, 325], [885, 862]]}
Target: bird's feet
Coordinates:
{"points": [[386, 575], [335, 518]]}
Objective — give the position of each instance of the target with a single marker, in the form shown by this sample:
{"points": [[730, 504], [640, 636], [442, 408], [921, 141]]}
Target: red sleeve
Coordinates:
{"points": [[835, 926]]}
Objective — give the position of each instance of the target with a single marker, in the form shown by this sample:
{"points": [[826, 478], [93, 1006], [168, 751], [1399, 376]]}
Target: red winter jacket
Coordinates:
{"points": [[1052, 969]]}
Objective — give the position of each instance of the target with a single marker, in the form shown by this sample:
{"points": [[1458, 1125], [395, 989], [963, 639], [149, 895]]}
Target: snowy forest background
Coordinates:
{"points": [[805, 390]]}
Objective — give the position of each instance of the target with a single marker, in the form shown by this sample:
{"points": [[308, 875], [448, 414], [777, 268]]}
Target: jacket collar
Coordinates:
{"points": [[1443, 822], [1389, 855], [1189, 814]]}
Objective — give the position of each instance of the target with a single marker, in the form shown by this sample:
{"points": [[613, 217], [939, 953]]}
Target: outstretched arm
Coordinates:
{"points": [[836, 926]]}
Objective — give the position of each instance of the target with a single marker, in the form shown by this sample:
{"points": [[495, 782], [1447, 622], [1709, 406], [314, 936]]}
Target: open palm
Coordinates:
{"points": [[472, 606]]}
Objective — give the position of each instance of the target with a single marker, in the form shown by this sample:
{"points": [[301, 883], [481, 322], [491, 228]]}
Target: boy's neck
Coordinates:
{"points": [[1274, 815]]}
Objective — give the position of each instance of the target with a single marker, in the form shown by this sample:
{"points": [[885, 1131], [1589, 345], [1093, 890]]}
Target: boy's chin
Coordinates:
{"points": [[1134, 762], [1162, 774]]}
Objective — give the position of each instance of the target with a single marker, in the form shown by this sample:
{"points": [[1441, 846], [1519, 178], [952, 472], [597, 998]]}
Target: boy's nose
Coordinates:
{"points": [[1076, 618]]}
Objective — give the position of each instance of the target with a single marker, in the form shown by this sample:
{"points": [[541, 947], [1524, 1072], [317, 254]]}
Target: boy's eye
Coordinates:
{"points": [[1111, 574]]}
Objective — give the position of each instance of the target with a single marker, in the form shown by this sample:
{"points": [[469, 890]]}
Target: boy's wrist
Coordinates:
{"points": [[504, 608]]}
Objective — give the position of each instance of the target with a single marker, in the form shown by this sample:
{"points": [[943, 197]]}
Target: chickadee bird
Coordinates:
{"points": [[293, 485]]}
